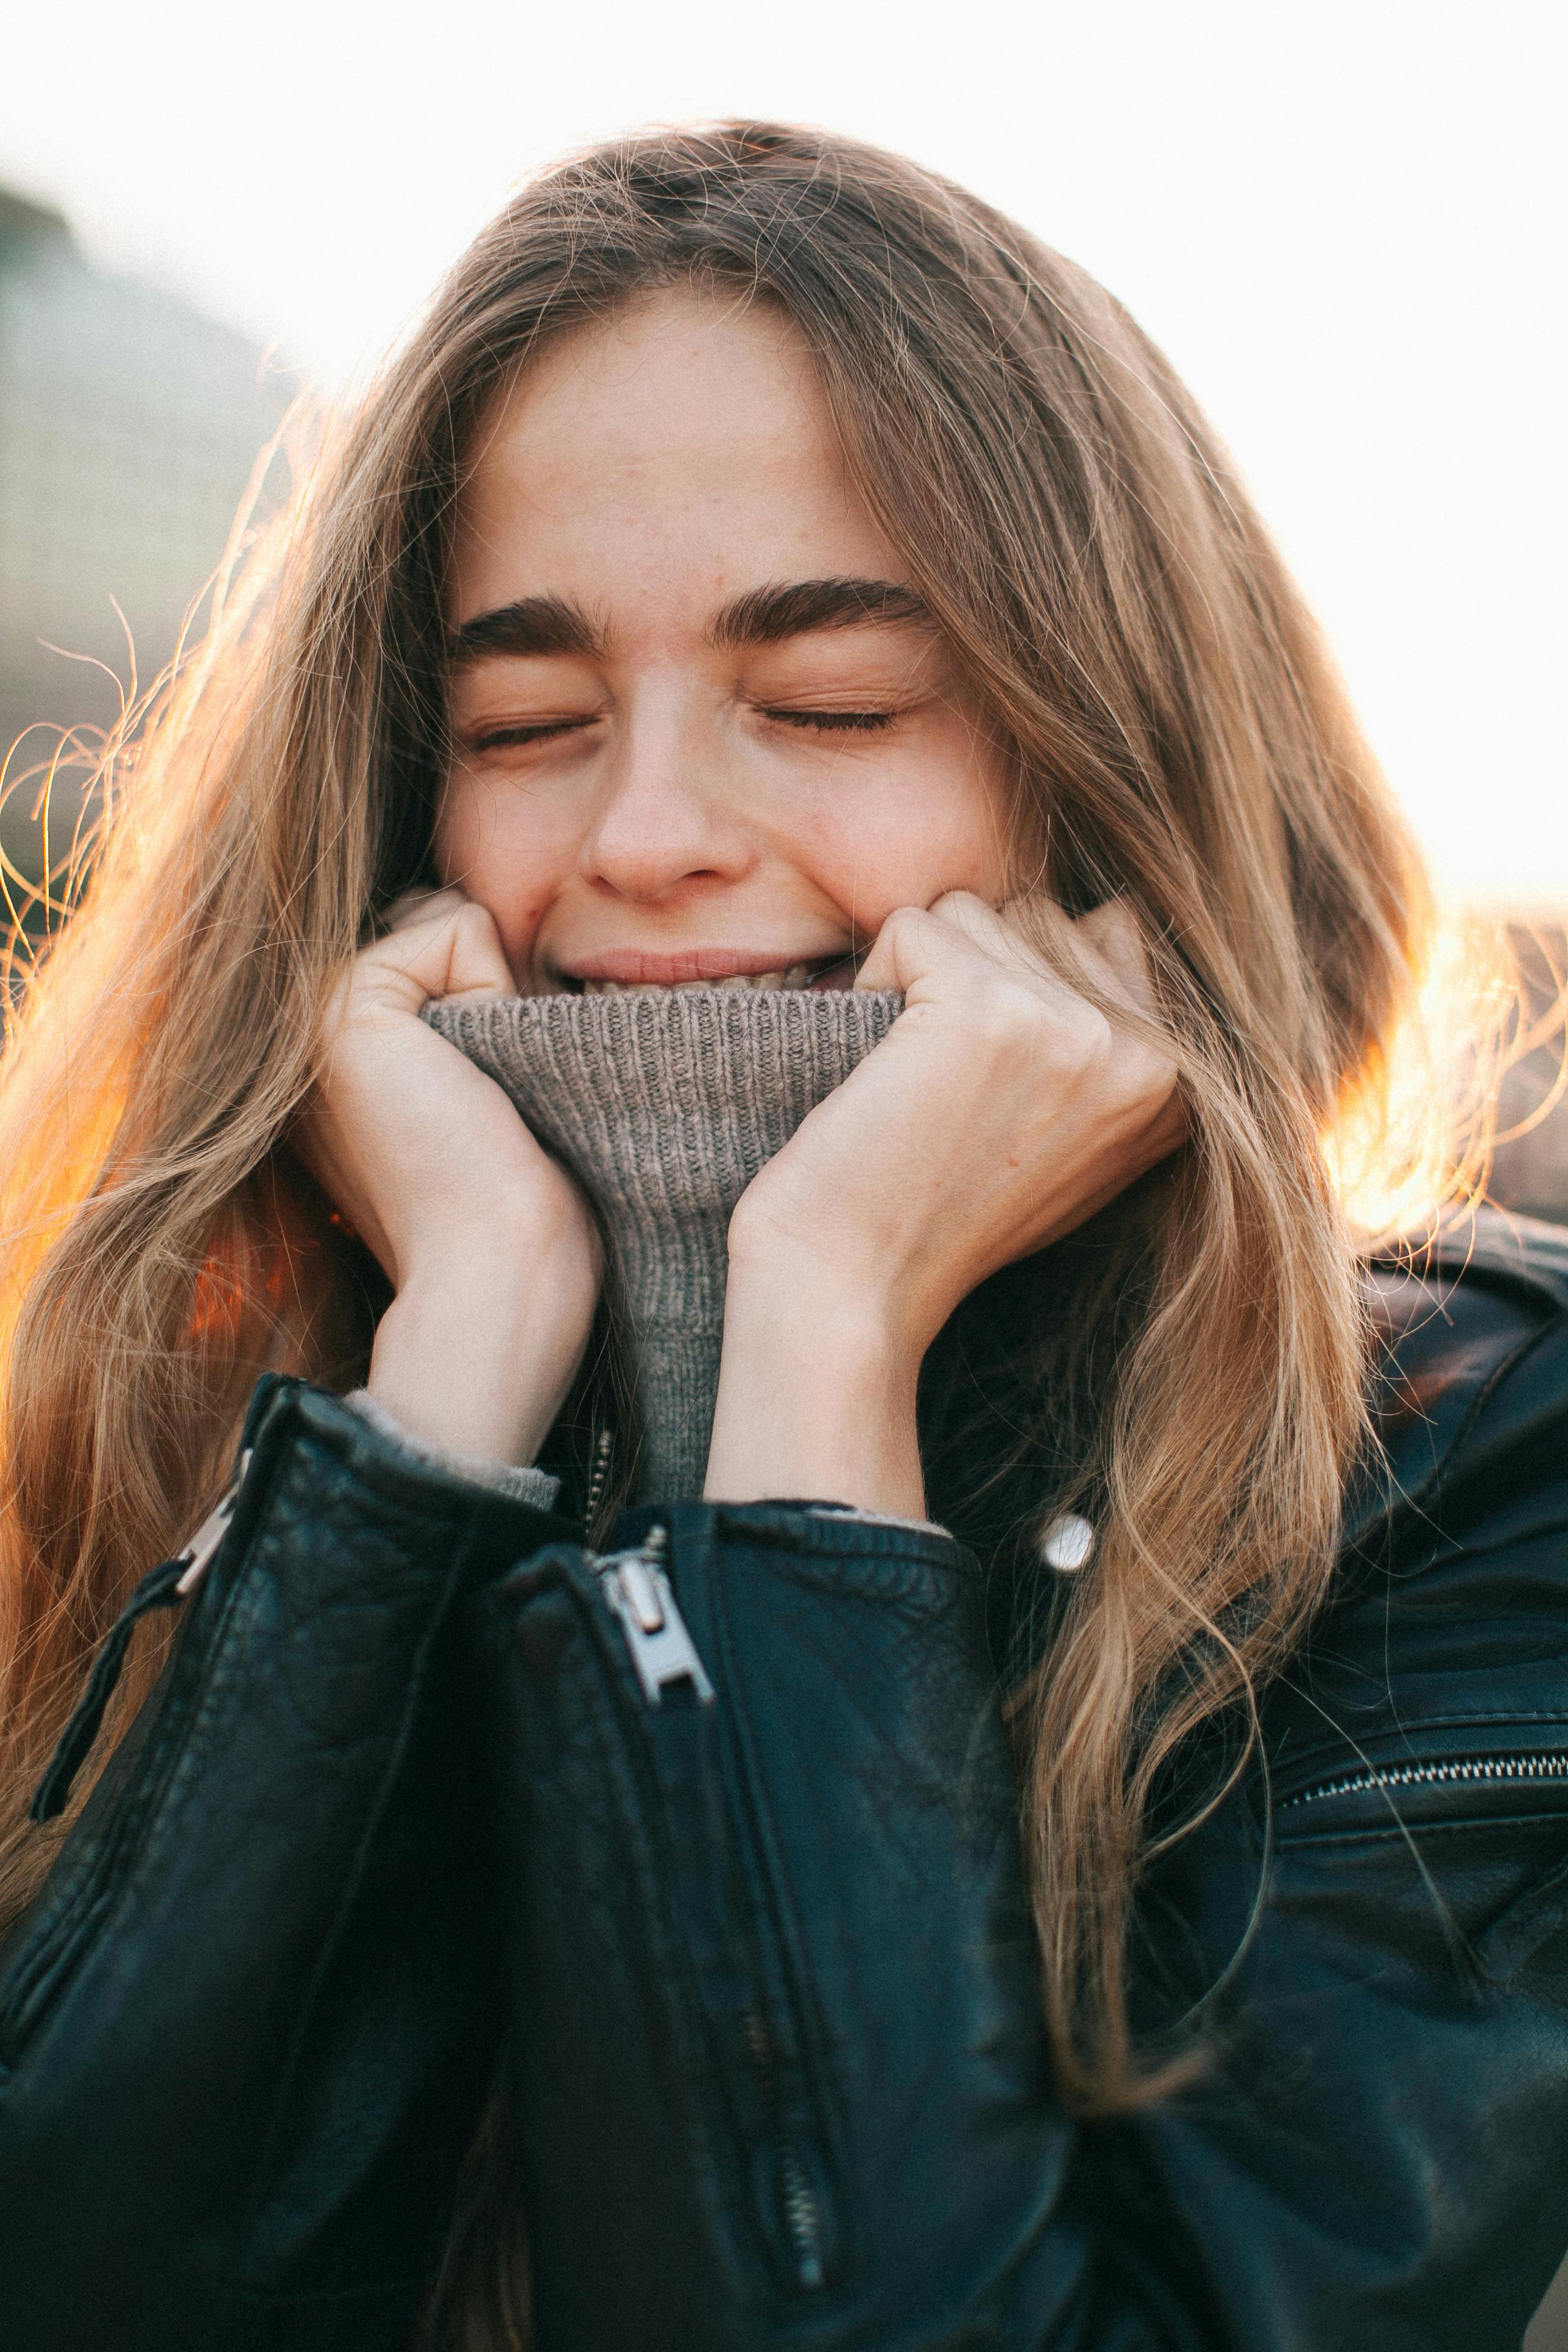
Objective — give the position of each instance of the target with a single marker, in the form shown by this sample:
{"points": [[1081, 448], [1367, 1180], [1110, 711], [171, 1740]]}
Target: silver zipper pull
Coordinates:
{"points": [[663, 1651], [211, 1531]]}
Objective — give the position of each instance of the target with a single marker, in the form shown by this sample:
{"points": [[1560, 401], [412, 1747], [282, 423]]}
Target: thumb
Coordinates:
{"points": [[903, 952], [475, 960], [915, 941], [449, 946]]}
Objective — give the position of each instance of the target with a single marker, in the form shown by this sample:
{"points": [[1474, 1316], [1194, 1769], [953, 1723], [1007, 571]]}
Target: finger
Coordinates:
{"points": [[1029, 938], [1049, 937], [913, 939], [1041, 940], [986, 928], [1102, 951], [420, 906], [452, 952], [476, 963], [1111, 933], [903, 949]]}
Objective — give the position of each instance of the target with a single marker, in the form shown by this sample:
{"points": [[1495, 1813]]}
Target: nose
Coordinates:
{"points": [[662, 817]]}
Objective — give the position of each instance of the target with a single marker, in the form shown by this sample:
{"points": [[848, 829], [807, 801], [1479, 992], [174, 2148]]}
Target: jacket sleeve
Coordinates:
{"points": [[244, 2029], [783, 2079]]}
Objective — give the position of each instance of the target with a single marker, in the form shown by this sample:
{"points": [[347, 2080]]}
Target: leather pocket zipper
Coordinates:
{"points": [[163, 1586], [1458, 1770], [41, 1964]]}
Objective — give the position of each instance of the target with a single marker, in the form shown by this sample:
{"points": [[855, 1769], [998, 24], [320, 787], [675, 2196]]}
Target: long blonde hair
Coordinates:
{"points": [[1183, 741]]}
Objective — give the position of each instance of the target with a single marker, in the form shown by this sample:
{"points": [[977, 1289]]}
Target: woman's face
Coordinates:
{"points": [[702, 729]]}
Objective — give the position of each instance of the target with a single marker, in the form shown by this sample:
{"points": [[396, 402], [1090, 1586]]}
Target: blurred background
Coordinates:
{"points": [[1343, 222]]}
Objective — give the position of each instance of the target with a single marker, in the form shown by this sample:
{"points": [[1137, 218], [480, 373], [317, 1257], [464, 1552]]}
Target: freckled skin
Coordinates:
{"points": [[649, 471]]}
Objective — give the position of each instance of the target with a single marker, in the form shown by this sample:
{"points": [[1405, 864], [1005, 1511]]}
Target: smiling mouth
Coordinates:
{"points": [[824, 972]]}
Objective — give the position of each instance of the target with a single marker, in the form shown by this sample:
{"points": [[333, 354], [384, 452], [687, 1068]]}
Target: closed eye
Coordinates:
{"points": [[495, 739], [834, 722]]}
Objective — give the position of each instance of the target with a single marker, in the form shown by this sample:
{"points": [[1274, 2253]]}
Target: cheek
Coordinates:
{"points": [[910, 832], [507, 868]]}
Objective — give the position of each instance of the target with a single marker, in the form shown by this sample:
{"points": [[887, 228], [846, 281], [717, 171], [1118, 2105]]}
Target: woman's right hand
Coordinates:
{"points": [[491, 1249]]}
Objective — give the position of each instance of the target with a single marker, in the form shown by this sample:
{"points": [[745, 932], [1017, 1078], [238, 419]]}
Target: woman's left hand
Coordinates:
{"points": [[1002, 1110]]}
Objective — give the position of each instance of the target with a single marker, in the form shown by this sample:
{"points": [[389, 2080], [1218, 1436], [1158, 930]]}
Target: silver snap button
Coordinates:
{"points": [[1067, 1543]]}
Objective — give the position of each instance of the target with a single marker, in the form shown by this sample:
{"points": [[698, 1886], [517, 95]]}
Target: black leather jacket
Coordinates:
{"points": [[764, 1956]]}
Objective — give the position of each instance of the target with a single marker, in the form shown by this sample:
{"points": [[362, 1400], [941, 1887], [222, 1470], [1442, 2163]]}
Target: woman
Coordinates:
{"points": [[779, 699]]}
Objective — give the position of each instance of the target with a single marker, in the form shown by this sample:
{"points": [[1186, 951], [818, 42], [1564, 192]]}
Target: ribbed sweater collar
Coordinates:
{"points": [[664, 1104]]}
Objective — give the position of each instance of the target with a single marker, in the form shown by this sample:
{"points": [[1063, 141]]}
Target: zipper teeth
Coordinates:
{"points": [[802, 2214], [801, 2218], [598, 1475], [1546, 1766]]}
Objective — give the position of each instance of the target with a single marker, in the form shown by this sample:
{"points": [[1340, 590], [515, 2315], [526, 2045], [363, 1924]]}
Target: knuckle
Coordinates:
{"points": [[1146, 1080], [417, 910], [1094, 1053], [1011, 1015], [958, 906]]}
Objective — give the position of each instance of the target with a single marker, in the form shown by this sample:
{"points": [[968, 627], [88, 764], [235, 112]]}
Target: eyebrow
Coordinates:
{"points": [[762, 617], [533, 624], [766, 616]]}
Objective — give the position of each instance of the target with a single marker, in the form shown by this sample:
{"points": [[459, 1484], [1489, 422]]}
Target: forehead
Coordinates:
{"points": [[682, 445]]}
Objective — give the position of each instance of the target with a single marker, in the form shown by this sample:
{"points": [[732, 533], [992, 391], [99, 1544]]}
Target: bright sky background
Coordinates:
{"points": [[1342, 218]]}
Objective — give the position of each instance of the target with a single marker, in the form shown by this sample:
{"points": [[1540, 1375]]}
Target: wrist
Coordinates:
{"points": [[817, 1398], [476, 1353], [880, 1308]]}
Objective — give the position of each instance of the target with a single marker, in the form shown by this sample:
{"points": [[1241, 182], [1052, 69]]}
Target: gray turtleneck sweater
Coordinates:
{"points": [[664, 1104]]}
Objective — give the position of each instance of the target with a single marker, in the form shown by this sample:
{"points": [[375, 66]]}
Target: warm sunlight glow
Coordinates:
{"points": [[1416, 1140]]}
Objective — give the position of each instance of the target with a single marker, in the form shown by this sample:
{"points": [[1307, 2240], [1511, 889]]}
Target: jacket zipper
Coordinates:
{"points": [[1549, 1765], [798, 2199], [163, 1586], [46, 1961], [197, 1554], [638, 1592]]}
